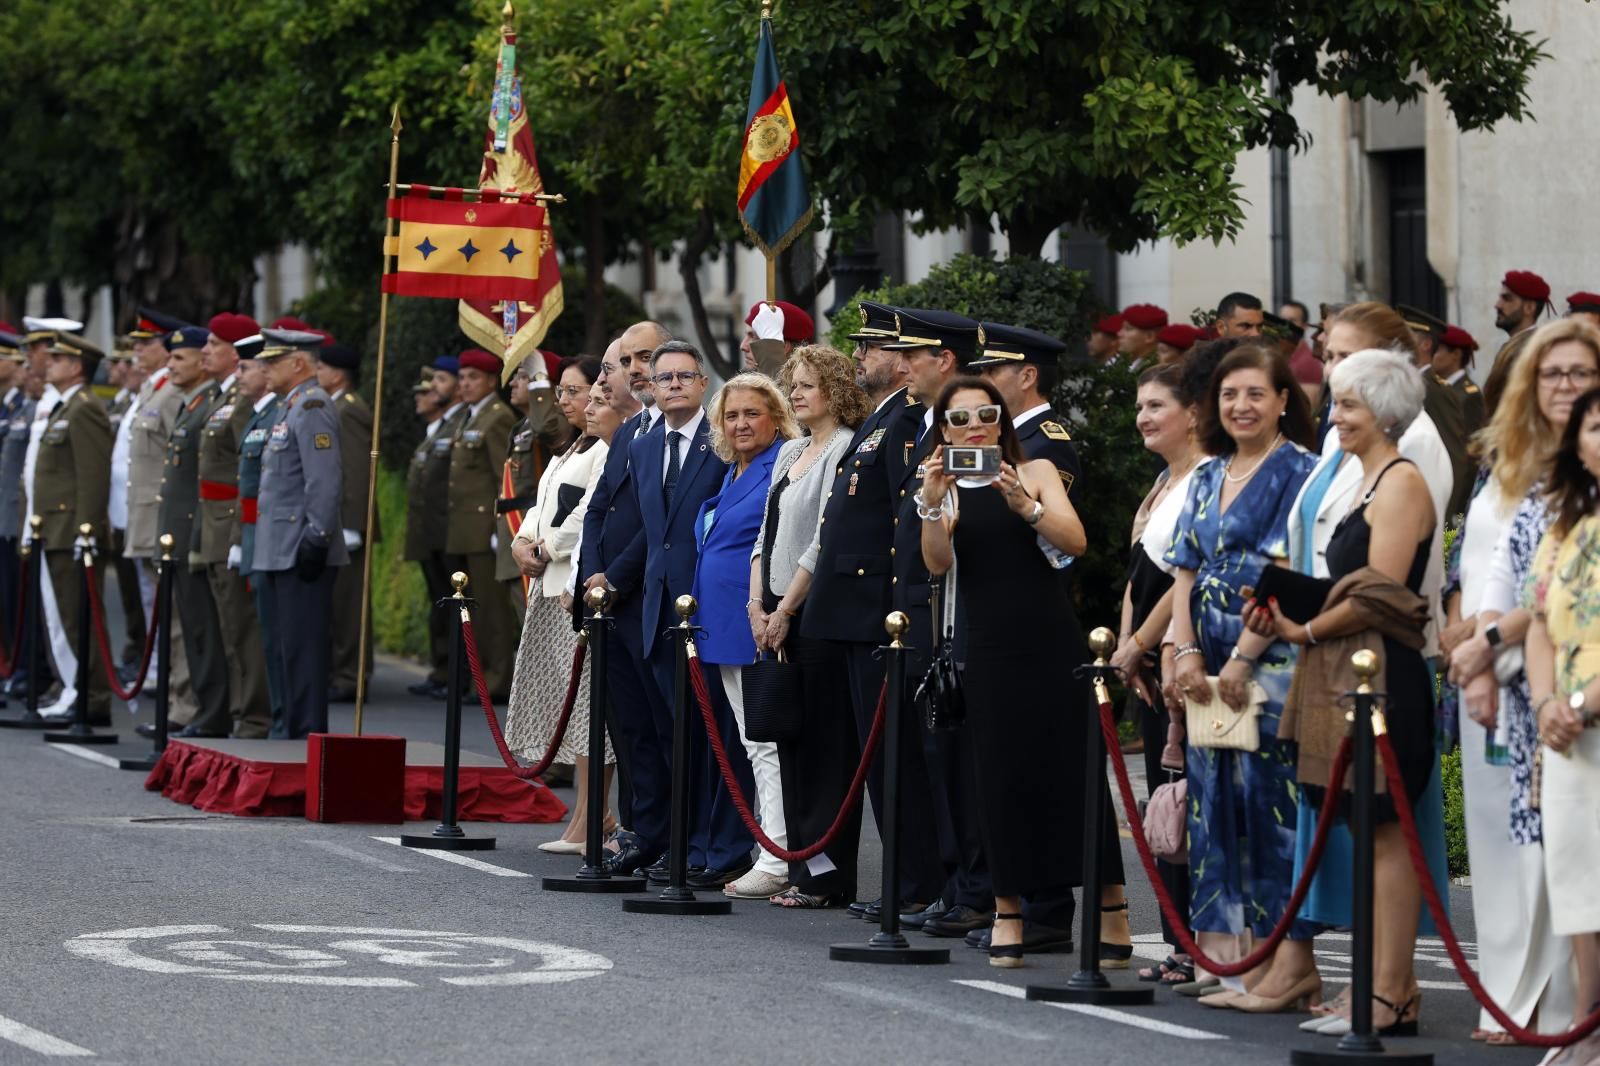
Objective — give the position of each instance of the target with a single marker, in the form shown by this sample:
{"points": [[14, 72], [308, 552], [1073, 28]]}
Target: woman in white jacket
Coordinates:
{"points": [[543, 548]]}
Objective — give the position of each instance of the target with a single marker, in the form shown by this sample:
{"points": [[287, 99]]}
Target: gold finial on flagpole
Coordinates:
{"points": [[766, 9], [508, 19]]}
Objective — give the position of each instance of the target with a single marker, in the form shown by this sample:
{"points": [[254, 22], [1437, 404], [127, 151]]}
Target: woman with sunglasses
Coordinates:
{"points": [[993, 531]]}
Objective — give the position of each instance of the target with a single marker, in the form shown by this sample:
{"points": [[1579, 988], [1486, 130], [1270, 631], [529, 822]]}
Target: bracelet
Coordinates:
{"points": [[1242, 657], [1140, 641], [1186, 649], [1037, 515], [1311, 638], [930, 514], [1537, 707]]}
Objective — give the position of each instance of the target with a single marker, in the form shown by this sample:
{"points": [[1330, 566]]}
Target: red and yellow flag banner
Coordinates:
{"points": [[454, 249]]}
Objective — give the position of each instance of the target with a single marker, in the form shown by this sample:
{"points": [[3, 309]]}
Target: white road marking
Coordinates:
{"points": [[27, 1036], [459, 860], [936, 1010], [1103, 1013], [360, 856], [86, 753]]}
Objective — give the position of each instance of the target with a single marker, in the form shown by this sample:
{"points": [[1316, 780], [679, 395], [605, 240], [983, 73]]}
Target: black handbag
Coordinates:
{"points": [[939, 695], [773, 709]]}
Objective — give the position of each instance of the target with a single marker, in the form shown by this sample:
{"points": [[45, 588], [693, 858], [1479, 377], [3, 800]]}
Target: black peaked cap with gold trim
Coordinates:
{"points": [[877, 324], [1002, 345], [919, 328]]}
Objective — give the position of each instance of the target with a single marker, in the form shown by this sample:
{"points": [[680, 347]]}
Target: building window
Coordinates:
{"points": [[1412, 280], [1085, 250]]}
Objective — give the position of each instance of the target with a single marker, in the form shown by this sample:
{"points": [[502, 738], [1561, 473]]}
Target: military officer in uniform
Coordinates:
{"points": [[16, 415], [850, 588], [477, 457], [179, 517], [337, 369], [262, 405], [231, 337], [525, 462], [1443, 405], [72, 487], [1524, 296], [427, 524], [1451, 358], [298, 545], [119, 365]]}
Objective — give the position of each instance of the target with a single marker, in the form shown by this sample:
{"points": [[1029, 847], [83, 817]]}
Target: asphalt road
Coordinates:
{"points": [[139, 931]]}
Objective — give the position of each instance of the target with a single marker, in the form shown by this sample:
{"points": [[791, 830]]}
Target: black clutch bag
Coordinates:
{"points": [[1300, 597], [939, 695], [773, 710], [567, 498]]}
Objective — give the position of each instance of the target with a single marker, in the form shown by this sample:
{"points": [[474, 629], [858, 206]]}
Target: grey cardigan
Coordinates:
{"points": [[800, 508]]}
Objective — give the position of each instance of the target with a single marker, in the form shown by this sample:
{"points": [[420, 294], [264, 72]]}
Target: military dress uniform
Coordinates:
{"points": [[71, 487], [519, 485], [477, 457], [126, 566], [16, 415], [252, 445], [191, 591], [298, 546], [427, 528], [217, 534], [355, 454], [1471, 399]]}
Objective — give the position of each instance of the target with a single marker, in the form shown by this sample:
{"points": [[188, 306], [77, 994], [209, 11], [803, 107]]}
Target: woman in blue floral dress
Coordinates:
{"points": [[1242, 804]]}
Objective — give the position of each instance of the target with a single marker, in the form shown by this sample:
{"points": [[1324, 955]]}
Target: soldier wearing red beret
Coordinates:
{"points": [[1104, 339], [798, 328], [1585, 305], [1451, 357], [1174, 341], [1141, 329], [1523, 297]]}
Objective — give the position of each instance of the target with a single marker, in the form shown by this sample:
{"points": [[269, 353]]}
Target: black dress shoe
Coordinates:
{"points": [[191, 732], [874, 912], [933, 910], [707, 879], [958, 921], [627, 862], [656, 872], [859, 908], [663, 876]]}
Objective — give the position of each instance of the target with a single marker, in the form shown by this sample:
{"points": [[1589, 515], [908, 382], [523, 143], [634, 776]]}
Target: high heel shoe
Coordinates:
{"points": [[1005, 956], [1115, 956], [1306, 991], [1406, 1021], [1222, 999]]}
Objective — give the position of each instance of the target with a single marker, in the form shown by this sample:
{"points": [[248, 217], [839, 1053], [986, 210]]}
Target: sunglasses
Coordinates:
{"points": [[961, 417]]}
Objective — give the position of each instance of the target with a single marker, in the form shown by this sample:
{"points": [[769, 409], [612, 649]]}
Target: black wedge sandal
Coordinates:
{"points": [[1005, 956], [1115, 956]]}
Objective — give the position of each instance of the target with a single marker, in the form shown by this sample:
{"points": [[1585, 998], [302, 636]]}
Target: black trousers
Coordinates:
{"points": [[436, 576], [303, 609], [818, 766]]}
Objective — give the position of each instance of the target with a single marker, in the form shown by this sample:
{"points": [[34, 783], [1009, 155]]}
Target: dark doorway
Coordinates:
{"points": [[1412, 280]]}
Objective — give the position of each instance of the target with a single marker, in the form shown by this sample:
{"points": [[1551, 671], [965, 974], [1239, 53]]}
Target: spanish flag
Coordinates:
{"points": [[510, 164], [451, 248], [774, 203]]}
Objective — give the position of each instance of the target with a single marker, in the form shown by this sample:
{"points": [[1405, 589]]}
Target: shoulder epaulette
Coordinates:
{"points": [[1471, 388], [1054, 430]]}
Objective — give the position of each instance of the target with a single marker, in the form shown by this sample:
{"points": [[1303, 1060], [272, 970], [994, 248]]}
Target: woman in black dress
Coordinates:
{"points": [[1017, 728]]}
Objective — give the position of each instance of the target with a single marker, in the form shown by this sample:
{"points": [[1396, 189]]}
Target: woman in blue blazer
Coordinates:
{"points": [[749, 423]]}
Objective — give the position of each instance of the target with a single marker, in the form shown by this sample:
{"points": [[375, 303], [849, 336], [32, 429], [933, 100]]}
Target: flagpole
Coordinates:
{"points": [[377, 424], [772, 260]]}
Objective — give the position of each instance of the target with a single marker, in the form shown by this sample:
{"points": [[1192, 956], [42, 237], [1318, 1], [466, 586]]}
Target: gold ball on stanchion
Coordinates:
{"points": [[685, 606], [598, 598], [1102, 642], [166, 546], [1365, 664], [896, 624], [36, 521], [458, 581], [85, 530]]}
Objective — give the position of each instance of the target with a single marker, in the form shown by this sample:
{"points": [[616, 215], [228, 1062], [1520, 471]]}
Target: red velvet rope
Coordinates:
{"points": [[1180, 922], [506, 754], [1441, 918], [851, 798], [105, 645]]}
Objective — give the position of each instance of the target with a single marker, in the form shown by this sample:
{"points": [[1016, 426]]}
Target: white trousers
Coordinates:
{"points": [[61, 653], [769, 778]]}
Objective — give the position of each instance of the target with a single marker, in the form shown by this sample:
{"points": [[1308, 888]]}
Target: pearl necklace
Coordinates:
{"points": [[1248, 474]]}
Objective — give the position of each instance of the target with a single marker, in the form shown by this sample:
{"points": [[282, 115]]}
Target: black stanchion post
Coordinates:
{"points": [[31, 633], [1089, 983], [81, 732], [447, 835], [163, 660], [1361, 1044], [594, 877], [678, 897], [888, 944]]}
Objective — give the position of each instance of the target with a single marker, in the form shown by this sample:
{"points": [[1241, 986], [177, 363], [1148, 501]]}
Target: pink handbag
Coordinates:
{"points": [[1165, 827]]}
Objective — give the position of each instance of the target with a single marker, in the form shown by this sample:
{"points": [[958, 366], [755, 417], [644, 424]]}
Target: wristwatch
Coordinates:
{"points": [[1237, 654], [1036, 514], [1580, 707], [1491, 633]]}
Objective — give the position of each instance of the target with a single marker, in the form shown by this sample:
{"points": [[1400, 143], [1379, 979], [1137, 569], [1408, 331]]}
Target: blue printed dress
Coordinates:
{"points": [[1241, 804]]}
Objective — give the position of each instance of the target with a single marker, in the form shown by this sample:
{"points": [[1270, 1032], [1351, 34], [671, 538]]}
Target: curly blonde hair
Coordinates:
{"points": [[762, 385], [1520, 442], [836, 377]]}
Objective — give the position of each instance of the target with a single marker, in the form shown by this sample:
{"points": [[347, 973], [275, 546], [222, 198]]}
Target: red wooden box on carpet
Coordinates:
{"points": [[355, 779]]}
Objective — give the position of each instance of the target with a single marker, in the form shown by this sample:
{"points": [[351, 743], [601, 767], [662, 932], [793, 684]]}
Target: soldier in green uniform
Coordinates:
{"points": [[1443, 405], [477, 457], [530, 453], [427, 482], [219, 528], [337, 369], [179, 507], [262, 405], [1451, 358], [119, 363], [72, 487]]}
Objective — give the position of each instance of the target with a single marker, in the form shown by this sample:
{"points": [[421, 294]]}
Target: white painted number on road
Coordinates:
{"points": [[347, 956]]}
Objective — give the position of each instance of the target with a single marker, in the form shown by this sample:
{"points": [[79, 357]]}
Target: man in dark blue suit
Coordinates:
{"points": [[610, 527], [675, 472]]}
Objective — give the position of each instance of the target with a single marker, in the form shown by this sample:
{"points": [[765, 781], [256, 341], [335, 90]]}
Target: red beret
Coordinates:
{"points": [[1527, 284], [478, 359], [1179, 335], [290, 322], [233, 328], [1144, 316], [797, 325], [1578, 301], [1456, 337], [1110, 324]]}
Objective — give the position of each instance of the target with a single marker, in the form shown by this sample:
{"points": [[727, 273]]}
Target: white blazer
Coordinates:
{"points": [[1422, 445], [569, 468]]}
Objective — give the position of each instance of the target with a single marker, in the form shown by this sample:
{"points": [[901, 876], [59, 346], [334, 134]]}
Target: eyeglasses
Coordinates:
{"points": [[961, 417], [1579, 376], [571, 390], [607, 369], [682, 377]]}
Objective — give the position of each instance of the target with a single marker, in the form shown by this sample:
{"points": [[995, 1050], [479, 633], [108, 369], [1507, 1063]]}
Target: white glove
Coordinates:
{"points": [[768, 323], [494, 542], [235, 557], [352, 540]]}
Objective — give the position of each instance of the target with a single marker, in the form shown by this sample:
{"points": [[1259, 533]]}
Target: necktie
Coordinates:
{"points": [[674, 465]]}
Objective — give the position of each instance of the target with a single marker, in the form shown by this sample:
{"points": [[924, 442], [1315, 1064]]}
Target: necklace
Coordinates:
{"points": [[1227, 471]]}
